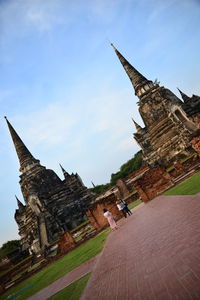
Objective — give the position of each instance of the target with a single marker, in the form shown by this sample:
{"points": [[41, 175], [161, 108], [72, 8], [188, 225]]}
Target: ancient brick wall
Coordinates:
{"points": [[132, 197], [122, 187], [195, 142], [197, 120], [95, 211], [147, 181], [139, 172], [179, 168], [152, 183], [66, 243]]}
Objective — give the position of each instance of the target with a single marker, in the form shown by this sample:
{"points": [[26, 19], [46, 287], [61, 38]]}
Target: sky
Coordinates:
{"points": [[65, 92]]}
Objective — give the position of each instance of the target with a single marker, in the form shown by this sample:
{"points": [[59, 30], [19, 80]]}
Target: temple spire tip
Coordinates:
{"points": [[137, 79], [113, 46], [185, 97], [64, 172], [24, 155], [137, 126]]}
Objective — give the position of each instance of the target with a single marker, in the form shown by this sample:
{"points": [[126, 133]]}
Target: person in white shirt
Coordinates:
{"points": [[121, 207]]}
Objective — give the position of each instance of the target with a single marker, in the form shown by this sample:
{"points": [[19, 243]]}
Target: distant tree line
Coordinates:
{"points": [[130, 166], [9, 247]]}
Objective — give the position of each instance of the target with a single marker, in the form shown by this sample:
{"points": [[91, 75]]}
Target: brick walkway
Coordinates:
{"points": [[155, 254], [65, 280]]}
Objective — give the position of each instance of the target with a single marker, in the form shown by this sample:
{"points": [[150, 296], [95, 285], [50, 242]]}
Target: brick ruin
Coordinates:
{"points": [[195, 142], [144, 184], [66, 243], [52, 206], [147, 181], [95, 210], [151, 182]]}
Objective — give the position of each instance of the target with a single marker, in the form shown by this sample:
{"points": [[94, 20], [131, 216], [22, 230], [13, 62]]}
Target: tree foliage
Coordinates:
{"points": [[98, 189], [126, 169], [11, 245]]}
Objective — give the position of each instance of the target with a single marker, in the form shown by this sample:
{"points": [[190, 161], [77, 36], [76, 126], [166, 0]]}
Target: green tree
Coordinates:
{"points": [[98, 189], [130, 166], [11, 245]]}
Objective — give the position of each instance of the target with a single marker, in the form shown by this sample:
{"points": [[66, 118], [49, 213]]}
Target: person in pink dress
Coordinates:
{"points": [[107, 214]]}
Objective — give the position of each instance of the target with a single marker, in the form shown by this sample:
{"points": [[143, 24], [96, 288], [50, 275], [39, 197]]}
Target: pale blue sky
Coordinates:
{"points": [[65, 92]]}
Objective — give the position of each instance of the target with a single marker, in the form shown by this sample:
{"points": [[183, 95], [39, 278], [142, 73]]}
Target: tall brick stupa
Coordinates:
{"points": [[169, 122], [51, 206]]}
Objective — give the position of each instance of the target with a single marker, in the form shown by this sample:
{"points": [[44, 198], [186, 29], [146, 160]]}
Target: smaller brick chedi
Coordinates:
{"points": [[169, 121], [52, 206]]}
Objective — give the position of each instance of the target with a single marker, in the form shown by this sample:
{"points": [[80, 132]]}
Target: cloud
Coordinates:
{"points": [[18, 18], [53, 124], [49, 126], [160, 7], [44, 15], [126, 143], [74, 128], [105, 10]]}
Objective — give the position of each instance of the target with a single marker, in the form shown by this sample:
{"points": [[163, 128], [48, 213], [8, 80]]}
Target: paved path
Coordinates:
{"points": [[154, 255], [65, 280]]}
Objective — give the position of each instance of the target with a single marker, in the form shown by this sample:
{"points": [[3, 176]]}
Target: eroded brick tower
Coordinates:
{"points": [[52, 206], [169, 122]]}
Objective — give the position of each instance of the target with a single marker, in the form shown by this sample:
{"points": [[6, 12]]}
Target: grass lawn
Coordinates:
{"points": [[58, 269], [190, 186], [73, 291], [134, 204]]}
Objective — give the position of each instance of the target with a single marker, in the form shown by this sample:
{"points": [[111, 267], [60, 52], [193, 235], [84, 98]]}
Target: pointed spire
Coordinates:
{"points": [[20, 205], [24, 155], [93, 184], [137, 126], [64, 172], [184, 96], [137, 79]]}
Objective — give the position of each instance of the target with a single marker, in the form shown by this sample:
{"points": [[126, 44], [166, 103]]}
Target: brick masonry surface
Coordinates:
{"points": [[155, 254]]}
